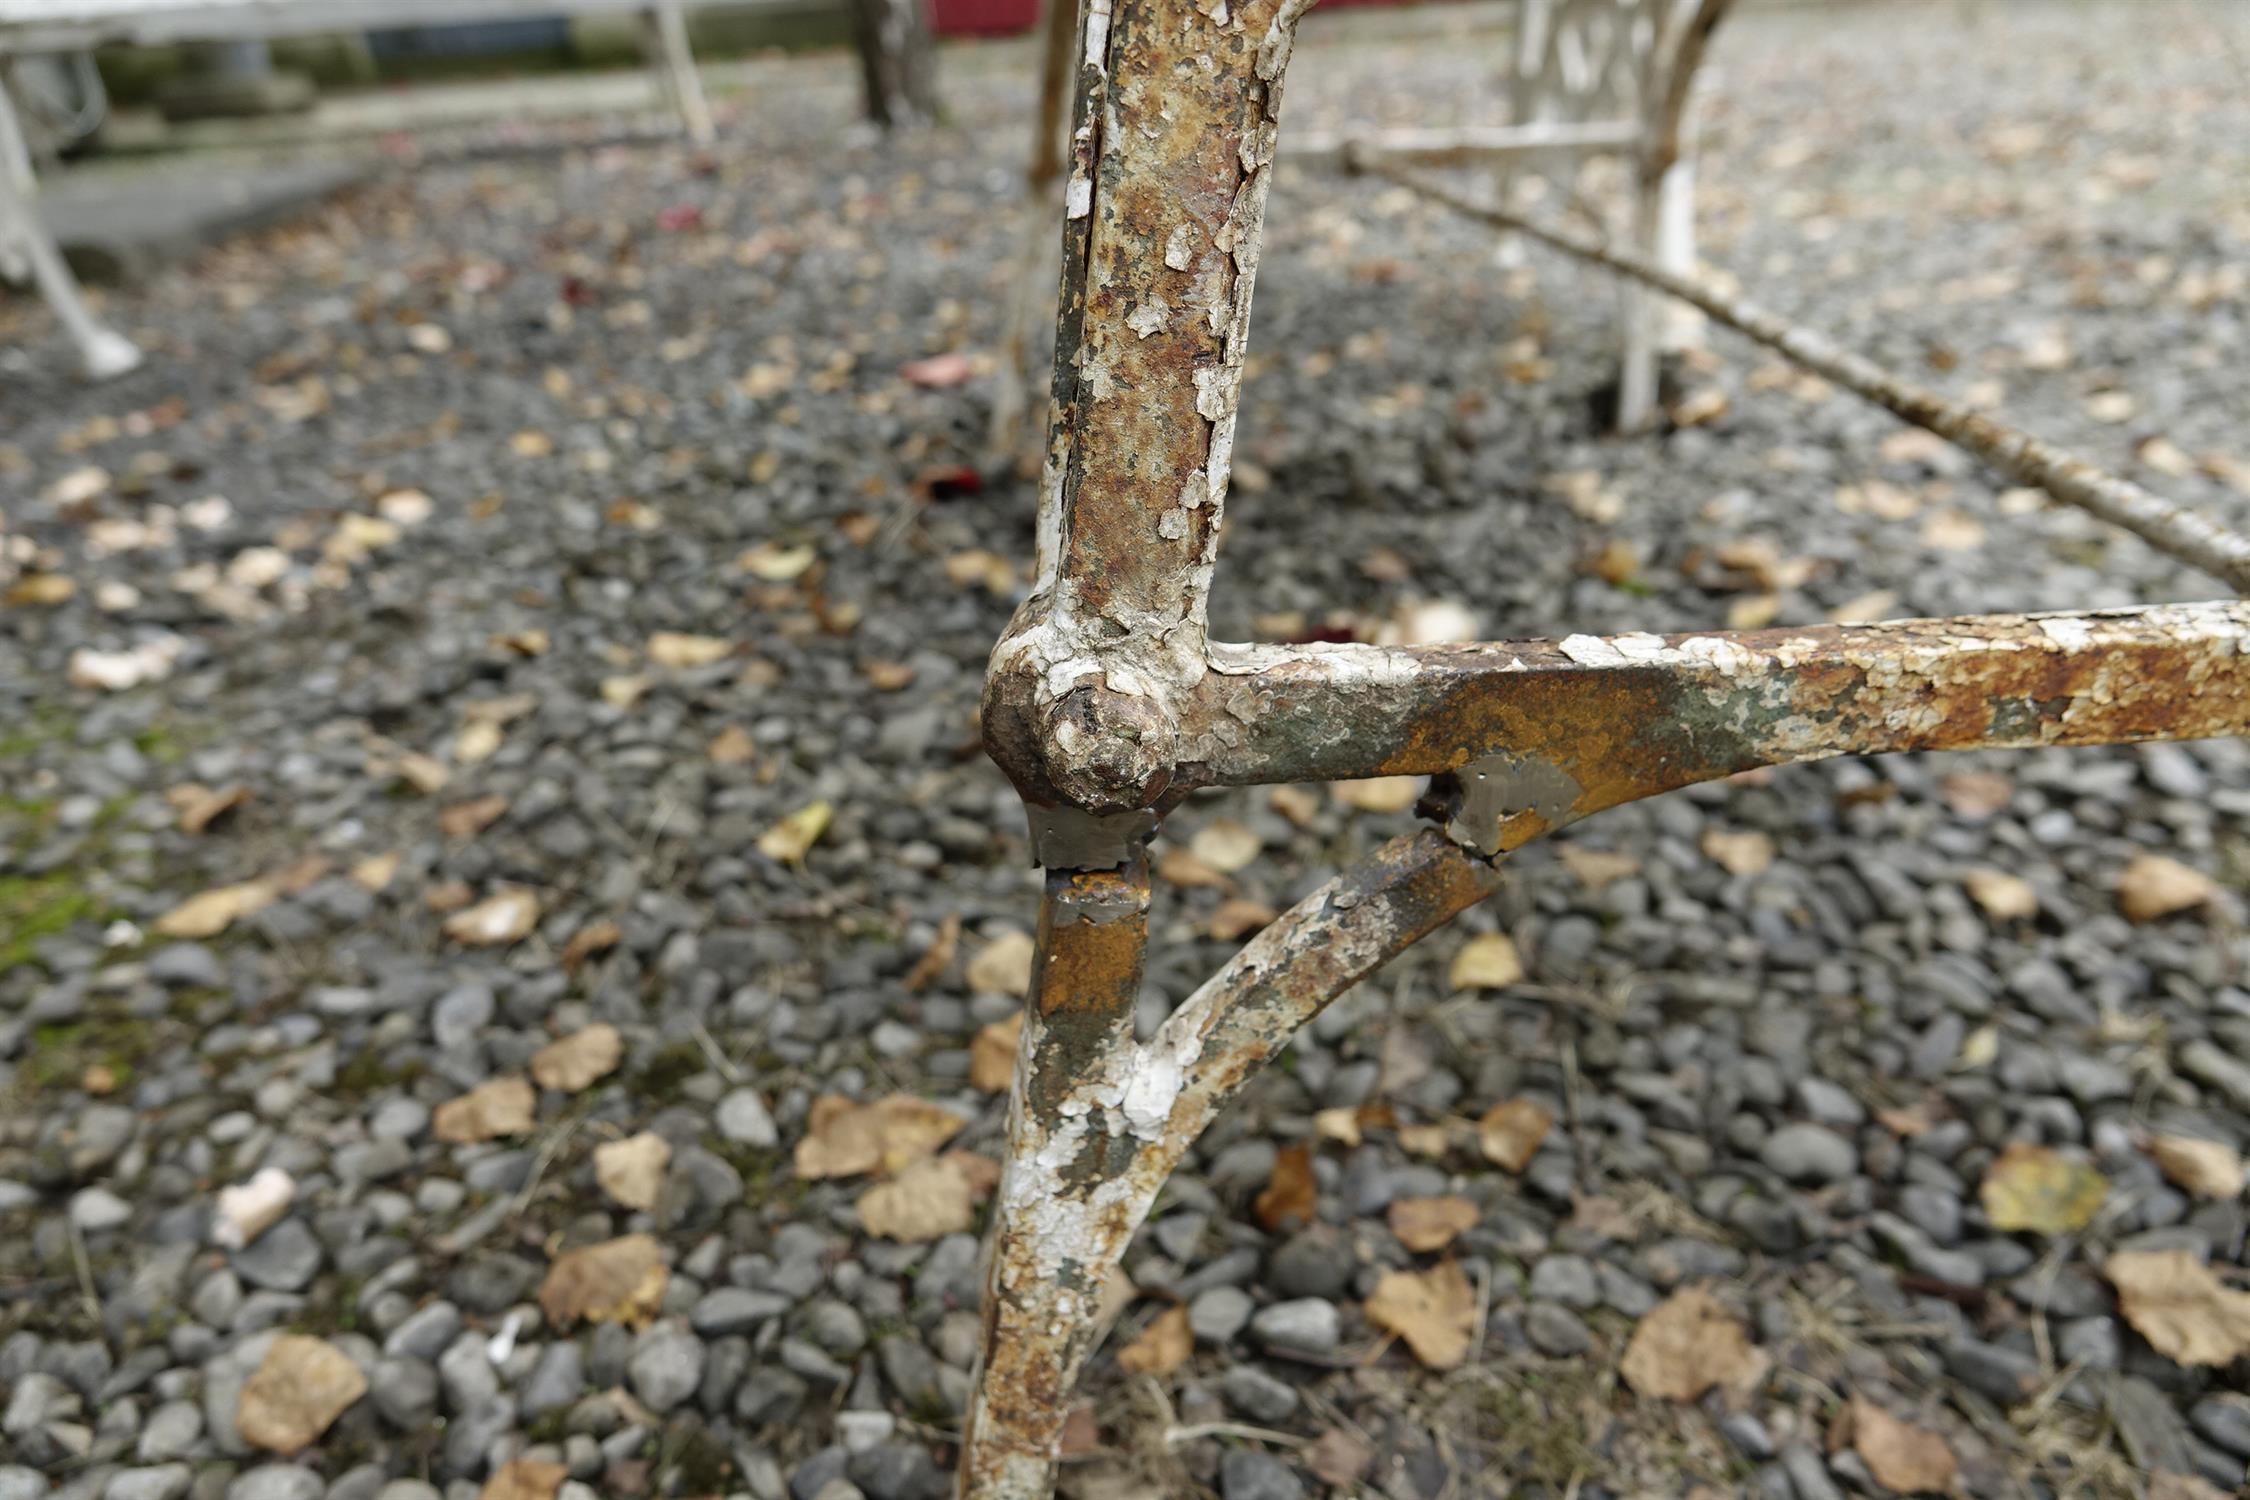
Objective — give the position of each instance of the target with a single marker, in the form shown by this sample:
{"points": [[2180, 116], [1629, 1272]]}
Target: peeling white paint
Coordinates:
{"points": [[1149, 317], [1179, 247]]}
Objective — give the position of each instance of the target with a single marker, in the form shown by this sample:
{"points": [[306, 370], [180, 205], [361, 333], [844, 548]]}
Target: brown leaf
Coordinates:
{"points": [[525, 1479], [1596, 868], [631, 1171], [1226, 845], [1162, 1347], [1488, 961], [1434, 1311], [300, 1388], [2154, 887], [570, 1063], [929, 1199], [1300, 805], [1425, 1224], [2039, 1189], [1433, 1141], [425, 774], [931, 966], [595, 937], [2208, 1169], [1876, 604], [1748, 853], [616, 1281], [992, 1055], [1237, 917], [1687, 1344], [506, 916], [1338, 1458], [200, 806], [533, 642], [2004, 897], [1340, 1125], [1178, 867], [1903, 1458], [376, 872], [1292, 1195], [848, 1140], [731, 746], [1379, 794], [2175, 1302], [670, 648], [505, 1106], [791, 839], [1512, 1131], [771, 562], [214, 911], [465, 820], [39, 591], [938, 371], [1002, 966]]}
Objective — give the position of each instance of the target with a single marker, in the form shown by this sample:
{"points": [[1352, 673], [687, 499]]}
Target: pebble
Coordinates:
{"points": [[1809, 1153], [742, 1117], [1247, 1474], [1305, 1325]]}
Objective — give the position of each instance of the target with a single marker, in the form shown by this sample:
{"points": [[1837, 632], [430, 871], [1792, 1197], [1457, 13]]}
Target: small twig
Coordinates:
{"points": [[86, 1287], [1178, 1435], [719, 1059], [547, 1153]]}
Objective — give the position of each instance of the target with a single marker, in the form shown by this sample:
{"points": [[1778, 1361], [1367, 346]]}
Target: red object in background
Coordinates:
{"points": [[983, 17]]}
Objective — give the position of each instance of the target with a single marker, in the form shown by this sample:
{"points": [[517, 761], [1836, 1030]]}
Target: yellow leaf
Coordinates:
{"points": [[2182, 1309], [1978, 1049], [571, 1063], [1379, 794], [2004, 897], [1434, 1311], [2207, 1169], [929, 1199], [1340, 1125], [40, 590], [1687, 1344], [992, 1055], [669, 648], [2154, 887], [1511, 1133], [621, 691], [847, 1140], [1163, 1346], [1432, 1141], [1904, 1459], [2040, 1190], [1488, 961], [774, 563], [214, 911], [478, 741], [791, 839], [1002, 966], [1738, 853], [631, 1171], [1424, 1224], [616, 1281], [376, 871], [1596, 868], [505, 1106]]}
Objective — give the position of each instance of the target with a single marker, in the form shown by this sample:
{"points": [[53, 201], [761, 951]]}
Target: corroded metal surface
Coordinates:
{"points": [[1591, 722], [2172, 529]]}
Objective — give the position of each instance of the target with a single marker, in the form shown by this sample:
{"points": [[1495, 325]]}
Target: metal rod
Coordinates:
{"points": [[2171, 529]]}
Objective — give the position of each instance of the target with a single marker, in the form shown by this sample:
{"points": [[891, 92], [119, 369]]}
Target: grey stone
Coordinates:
{"points": [[1257, 1395], [404, 1391], [557, 1378], [276, 1482], [1219, 1314], [283, 1259], [1567, 1279], [1556, 1331], [2225, 1421], [666, 1367], [731, 1309], [460, 1014], [186, 966], [158, 1482], [20, 1483], [170, 1432], [426, 1332], [1306, 1325], [1250, 1474], [742, 1117], [2000, 1374], [1314, 1262], [1809, 1153]]}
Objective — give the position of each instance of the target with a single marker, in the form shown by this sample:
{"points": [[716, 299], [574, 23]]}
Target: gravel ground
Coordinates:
{"points": [[395, 524]]}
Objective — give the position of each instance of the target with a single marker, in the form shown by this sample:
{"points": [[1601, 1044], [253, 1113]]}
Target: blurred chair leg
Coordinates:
{"points": [[103, 351]]}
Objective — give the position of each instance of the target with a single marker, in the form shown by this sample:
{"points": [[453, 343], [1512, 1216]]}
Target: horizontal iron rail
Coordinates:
{"points": [[2170, 528], [1590, 722]]}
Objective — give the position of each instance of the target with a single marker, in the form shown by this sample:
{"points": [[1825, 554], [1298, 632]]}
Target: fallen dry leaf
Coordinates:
{"points": [[425, 773], [1339, 1458], [1225, 845], [2175, 1302], [1002, 966], [992, 1055], [1434, 1311], [40, 591], [731, 746], [1876, 604], [505, 1106], [594, 937], [533, 642], [1488, 961], [1748, 853], [525, 1479], [670, 648], [2004, 897], [1700, 406], [1340, 1125], [301, 1387], [200, 806], [1512, 1131], [506, 916], [571, 1063], [931, 966], [2154, 887], [1291, 1195], [1162, 1347], [791, 839], [465, 820], [1596, 868], [2038, 1189], [1433, 1141], [376, 872], [929, 1199], [622, 690], [1237, 917], [1425, 1224], [616, 1281], [478, 741], [1378, 794], [214, 911], [771, 562], [1300, 805], [2208, 1169], [844, 1139], [1687, 1344], [1178, 867], [631, 1171], [1906, 1459], [938, 371]]}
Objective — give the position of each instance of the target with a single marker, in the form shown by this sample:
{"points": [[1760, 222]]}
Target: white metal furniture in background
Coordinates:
{"points": [[33, 27]]}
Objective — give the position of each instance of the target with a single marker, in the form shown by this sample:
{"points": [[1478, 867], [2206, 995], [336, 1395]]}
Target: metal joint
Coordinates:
{"points": [[1070, 838]]}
